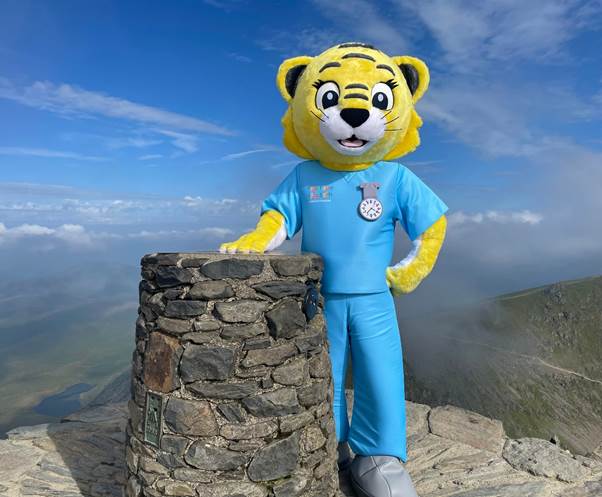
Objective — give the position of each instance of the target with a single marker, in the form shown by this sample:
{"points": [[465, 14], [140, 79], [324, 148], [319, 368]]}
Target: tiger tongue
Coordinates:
{"points": [[352, 142]]}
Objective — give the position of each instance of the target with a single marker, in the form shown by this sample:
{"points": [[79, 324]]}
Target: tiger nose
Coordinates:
{"points": [[355, 117]]}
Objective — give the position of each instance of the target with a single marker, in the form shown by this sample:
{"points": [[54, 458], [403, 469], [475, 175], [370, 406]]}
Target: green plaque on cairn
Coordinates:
{"points": [[152, 419]]}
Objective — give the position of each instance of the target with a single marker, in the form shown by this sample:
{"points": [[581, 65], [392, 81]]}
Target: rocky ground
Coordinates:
{"points": [[452, 452]]}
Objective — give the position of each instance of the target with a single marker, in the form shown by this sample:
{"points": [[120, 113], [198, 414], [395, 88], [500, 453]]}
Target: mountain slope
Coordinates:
{"points": [[532, 359]]}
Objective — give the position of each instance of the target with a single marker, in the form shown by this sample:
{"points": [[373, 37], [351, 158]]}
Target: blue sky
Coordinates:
{"points": [[132, 127]]}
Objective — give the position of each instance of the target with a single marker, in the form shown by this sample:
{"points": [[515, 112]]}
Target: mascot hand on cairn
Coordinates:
{"points": [[350, 114]]}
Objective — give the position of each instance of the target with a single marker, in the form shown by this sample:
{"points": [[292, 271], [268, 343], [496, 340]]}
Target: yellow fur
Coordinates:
{"points": [[405, 279], [301, 127], [257, 240]]}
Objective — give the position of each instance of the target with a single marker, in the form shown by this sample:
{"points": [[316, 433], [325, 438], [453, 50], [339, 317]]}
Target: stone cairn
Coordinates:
{"points": [[231, 384]]}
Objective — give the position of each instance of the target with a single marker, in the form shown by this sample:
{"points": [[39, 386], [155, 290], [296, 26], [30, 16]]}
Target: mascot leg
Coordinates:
{"points": [[378, 425], [335, 313]]}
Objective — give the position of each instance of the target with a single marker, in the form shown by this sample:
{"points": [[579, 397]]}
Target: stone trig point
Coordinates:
{"points": [[231, 384]]}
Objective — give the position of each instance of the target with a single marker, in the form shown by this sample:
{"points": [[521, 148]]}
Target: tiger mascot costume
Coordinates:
{"points": [[350, 113]]}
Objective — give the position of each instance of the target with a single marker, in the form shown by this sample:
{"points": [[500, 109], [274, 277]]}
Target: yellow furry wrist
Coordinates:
{"points": [[407, 275], [258, 240]]}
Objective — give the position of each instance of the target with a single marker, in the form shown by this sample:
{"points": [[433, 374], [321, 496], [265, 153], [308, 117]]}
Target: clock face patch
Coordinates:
{"points": [[370, 209]]}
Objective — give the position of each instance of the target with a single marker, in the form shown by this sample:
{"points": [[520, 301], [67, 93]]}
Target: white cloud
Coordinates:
{"points": [[473, 32], [150, 157], [183, 141], [502, 217], [46, 153], [368, 22], [71, 100], [73, 234], [239, 155], [78, 236]]}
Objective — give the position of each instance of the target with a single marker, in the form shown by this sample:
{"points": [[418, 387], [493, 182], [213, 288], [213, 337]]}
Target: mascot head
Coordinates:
{"points": [[352, 105]]}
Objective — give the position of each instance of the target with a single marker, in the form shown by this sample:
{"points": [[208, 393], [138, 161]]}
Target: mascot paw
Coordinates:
{"points": [[402, 280], [249, 243]]}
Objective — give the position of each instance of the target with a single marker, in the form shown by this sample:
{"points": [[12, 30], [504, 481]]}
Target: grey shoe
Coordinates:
{"points": [[381, 476], [345, 457]]}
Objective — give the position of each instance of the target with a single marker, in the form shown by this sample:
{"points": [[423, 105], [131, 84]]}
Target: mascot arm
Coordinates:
{"points": [[407, 274], [269, 233]]}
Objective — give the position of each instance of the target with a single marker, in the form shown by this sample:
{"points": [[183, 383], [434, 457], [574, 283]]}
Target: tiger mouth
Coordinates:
{"points": [[352, 142]]}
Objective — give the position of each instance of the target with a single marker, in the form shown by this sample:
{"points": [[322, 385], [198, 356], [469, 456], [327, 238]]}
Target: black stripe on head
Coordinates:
{"points": [[358, 56], [411, 76], [356, 85], [330, 64], [356, 45], [356, 95], [386, 68], [292, 78]]}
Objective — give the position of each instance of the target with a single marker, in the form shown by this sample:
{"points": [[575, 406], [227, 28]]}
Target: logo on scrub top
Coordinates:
{"points": [[320, 193]]}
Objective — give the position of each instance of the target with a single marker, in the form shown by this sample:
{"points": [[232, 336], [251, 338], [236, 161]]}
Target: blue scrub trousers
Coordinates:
{"points": [[365, 325]]}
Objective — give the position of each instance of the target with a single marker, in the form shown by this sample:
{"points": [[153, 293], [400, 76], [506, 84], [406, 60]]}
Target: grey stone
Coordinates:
{"points": [[467, 427], [133, 487], [319, 365], [293, 486], [231, 391], [279, 289], [234, 489], [417, 418], [166, 276], [310, 342], [206, 325], [190, 417], [589, 489], [240, 311], [257, 343], [277, 460], [232, 268], [175, 488], [161, 363], [174, 293], [276, 403], [210, 290], [202, 456], [528, 489], [150, 466], [312, 439], [269, 357], [232, 412], [206, 363], [161, 259], [174, 326], [542, 458], [293, 372], [248, 431], [289, 424], [193, 261], [155, 302], [192, 475], [243, 331], [285, 320], [291, 266], [185, 308], [200, 338], [174, 444], [247, 445], [313, 394], [255, 372]]}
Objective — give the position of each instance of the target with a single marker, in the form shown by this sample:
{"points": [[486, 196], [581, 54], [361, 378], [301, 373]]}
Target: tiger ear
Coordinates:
{"points": [[288, 75], [415, 73]]}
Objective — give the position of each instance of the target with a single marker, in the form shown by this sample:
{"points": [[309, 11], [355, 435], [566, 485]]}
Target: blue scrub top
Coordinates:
{"points": [[325, 203]]}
